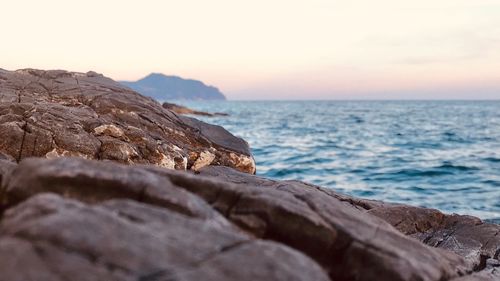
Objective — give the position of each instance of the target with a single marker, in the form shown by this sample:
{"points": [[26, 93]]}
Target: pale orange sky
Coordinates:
{"points": [[274, 49]]}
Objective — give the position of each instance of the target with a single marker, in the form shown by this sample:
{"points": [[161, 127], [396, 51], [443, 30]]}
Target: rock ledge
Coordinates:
{"points": [[57, 113]]}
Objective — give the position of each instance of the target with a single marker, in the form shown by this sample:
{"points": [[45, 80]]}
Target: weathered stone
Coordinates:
{"points": [[467, 237], [205, 159], [6, 168], [489, 273], [179, 109], [94, 182], [343, 238], [51, 238], [58, 113]]}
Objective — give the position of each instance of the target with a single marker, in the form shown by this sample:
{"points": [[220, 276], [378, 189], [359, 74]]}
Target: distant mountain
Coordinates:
{"points": [[163, 87]]}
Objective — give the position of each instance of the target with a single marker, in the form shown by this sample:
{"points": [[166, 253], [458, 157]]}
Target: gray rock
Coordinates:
{"points": [[124, 222], [469, 237], [476, 242], [6, 168], [51, 238], [179, 109], [58, 113]]}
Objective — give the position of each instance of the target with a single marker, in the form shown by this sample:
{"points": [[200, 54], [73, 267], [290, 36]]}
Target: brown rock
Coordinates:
{"points": [[470, 238], [6, 168], [51, 238], [117, 239], [179, 109], [466, 236], [58, 113], [489, 273]]}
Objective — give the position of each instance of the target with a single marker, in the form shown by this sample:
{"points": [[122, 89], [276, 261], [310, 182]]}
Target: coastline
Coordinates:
{"points": [[115, 200], [441, 155]]}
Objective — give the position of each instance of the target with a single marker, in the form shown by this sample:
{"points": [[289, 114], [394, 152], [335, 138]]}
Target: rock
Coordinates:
{"points": [[76, 218], [491, 272], [179, 109], [58, 113], [241, 159], [94, 182], [6, 168], [119, 222], [6, 157], [473, 240], [469, 237], [51, 238]]}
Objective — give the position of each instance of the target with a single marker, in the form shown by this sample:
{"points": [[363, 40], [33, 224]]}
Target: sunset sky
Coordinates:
{"points": [[269, 49]]}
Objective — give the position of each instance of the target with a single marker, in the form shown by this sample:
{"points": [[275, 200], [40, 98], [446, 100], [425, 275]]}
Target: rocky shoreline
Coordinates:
{"points": [[179, 109], [90, 191], [59, 113]]}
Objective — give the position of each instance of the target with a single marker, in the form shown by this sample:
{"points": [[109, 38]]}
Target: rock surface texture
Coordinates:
{"points": [[77, 218], [58, 113], [179, 109]]}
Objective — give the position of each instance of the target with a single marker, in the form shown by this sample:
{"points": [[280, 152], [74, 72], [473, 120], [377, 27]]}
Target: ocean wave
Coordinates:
{"points": [[493, 220], [492, 182], [283, 173], [460, 168], [410, 152], [408, 173], [492, 159]]}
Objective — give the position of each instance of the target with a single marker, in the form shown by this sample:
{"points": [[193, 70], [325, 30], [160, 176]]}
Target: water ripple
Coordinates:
{"points": [[444, 155]]}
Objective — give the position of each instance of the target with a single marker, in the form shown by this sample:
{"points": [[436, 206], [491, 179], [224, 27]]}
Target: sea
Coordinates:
{"points": [[436, 154]]}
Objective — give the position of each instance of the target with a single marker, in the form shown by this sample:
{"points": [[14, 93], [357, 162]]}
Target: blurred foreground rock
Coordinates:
{"points": [[77, 219]]}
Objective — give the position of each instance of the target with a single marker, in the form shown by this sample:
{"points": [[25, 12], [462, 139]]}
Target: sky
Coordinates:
{"points": [[269, 49]]}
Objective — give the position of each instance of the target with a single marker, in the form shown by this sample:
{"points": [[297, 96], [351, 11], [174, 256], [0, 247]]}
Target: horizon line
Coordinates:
{"points": [[350, 100]]}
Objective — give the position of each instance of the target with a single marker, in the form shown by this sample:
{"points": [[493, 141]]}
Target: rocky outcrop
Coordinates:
{"points": [[179, 109], [52, 238], [71, 218], [6, 167], [76, 218], [58, 113], [477, 243], [469, 237]]}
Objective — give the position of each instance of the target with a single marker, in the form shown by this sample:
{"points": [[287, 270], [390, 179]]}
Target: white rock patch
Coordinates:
{"points": [[58, 152], [206, 158], [110, 130], [243, 162], [166, 162]]}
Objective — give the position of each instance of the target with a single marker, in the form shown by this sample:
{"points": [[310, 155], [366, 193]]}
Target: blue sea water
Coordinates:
{"points": [[438, 154]]}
